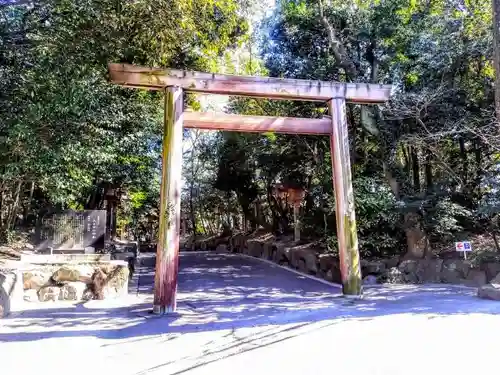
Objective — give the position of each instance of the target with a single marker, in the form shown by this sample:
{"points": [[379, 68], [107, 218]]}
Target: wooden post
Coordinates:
{"points": [[344, 201], [167, 252]]}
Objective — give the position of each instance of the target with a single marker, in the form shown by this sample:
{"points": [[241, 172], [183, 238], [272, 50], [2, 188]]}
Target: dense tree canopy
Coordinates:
{"points": [[424, 164], [66, 134]]}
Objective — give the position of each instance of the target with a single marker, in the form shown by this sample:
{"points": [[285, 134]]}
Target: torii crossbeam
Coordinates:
{"points": [[174, 82]]}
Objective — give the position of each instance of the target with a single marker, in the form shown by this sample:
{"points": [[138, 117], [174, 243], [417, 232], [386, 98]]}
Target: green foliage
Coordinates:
{"points": [[377, 218], [64, 127], [68, 136], [429, 153]]}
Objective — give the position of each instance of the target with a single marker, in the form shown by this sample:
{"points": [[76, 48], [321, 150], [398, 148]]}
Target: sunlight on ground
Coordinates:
{"points": [[267, 322]]}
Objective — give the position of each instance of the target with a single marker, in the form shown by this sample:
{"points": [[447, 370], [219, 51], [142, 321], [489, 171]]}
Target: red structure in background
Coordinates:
{"points": [[294, 196]]}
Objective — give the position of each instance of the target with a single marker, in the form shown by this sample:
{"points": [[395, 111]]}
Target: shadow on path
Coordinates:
{"points": [[219, 292]]}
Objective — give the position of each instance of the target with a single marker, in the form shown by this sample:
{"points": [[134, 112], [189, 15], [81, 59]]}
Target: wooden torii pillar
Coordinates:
{"points": [[173, 82]]}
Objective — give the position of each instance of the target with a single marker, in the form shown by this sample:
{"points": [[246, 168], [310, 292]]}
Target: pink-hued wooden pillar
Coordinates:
{"points": [[344, 201], [167, 251]]}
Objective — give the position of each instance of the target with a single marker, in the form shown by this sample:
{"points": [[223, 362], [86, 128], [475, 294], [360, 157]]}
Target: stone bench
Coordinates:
{"points": [[64, 258]]}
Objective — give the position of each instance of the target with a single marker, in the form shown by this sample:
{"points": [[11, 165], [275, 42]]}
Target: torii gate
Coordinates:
{"points": [[173, 82]]}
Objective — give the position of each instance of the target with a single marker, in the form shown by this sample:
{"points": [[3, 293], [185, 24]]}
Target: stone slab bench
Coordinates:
{"points": [[64, 258]]}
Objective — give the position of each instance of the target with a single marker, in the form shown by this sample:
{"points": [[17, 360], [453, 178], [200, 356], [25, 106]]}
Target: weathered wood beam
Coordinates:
{"points": [[344, 201], [257, 124], [167, 252], [264, 87]]}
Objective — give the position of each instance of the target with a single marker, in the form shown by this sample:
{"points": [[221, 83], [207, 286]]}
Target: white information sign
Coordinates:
{"points": [[464, 246]]}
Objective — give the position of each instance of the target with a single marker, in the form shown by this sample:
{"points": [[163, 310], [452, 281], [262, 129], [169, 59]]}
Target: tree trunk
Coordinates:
{"points": [[27, 208], [2, 209], [428, 170], [463, 154], [417, 241], [415, 170], [495, 239], [15, 206], [496, 53], [415, 234]]}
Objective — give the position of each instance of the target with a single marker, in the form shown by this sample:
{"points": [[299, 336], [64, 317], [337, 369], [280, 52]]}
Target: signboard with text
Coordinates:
{"points": [[463, 246], [72, 230]]}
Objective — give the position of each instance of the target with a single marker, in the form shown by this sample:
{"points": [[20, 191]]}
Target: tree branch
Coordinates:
{"points": [[337, 47]]}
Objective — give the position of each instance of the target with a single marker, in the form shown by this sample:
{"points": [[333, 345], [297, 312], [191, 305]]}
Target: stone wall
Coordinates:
{"points": [[75, 282], [310, 260]]}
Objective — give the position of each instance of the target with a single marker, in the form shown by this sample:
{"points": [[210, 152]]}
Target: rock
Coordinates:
{"points": [[454, 271], [329, 275], [327, 261], [237, 243], [311, 262], [328, 267], [301, 266], [99, 279], [370, 280], [31, 295], [49, 293], [221, 248], [86, 272], [65, 274], [35, 279], [492, 269], [304, 259], [267, 250], [392, 276], [372, 267], [476, 278], [407, 272], [116, 283], [281, 253], [496, 280], [408, 266], [87, 294], [72, 291], [489, 291], [254, 248], [222, 241], [392, 262], [429, 270]]}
